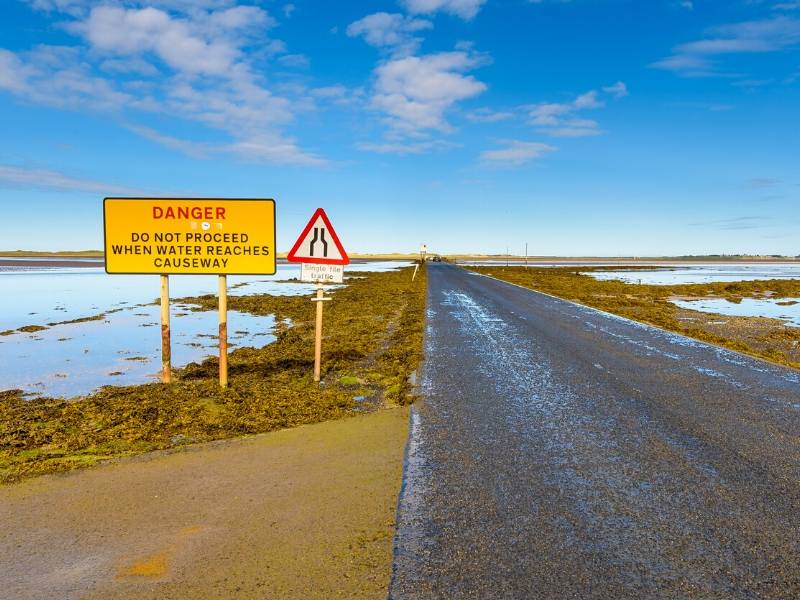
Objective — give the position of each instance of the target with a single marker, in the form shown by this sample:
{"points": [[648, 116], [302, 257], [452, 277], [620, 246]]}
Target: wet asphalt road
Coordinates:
{"points": [[561, 452]]}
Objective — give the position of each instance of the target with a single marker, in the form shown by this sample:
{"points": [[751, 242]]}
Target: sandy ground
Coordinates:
{"points": [[299, 513]]}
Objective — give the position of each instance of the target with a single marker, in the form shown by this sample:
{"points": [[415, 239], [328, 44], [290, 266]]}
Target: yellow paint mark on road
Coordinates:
{"points": [[153, 566], [157, 565]]}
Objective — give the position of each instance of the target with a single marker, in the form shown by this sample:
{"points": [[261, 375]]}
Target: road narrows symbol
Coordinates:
{"points": [[319, 236]]}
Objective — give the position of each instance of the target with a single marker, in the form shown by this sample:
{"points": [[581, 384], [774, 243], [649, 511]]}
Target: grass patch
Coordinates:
{"points": [[765, 338], [372, 332]]}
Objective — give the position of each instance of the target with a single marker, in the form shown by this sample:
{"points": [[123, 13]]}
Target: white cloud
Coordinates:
{"points": [[13, 74], [195, 149], [191, 60], [549, 114], [697, 59], [80, 8], [203, 46], [275, 149], [576, 129], [587, 100], [466, 9], [691, 66], [299, 61], [405, 147], [51, 76], [618, 90], [488, 115], [560, 120], [385, 30], [42, 179], [515, 153], [415, 92], [264, 147]]}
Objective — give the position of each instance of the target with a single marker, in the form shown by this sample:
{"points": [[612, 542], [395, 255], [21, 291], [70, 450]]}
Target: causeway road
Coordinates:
{"points": [[562, 452]]}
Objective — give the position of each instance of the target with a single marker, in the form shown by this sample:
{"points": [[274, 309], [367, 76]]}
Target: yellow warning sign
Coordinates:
{"points": [[194, 236]]}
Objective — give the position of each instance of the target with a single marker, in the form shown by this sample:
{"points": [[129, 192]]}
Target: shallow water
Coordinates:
{"points": [[708, 273], [39, 296], [749, 307], [124, 347]]}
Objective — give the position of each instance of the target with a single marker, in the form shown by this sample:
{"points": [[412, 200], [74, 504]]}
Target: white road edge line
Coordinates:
{"points": [[642, 323]]}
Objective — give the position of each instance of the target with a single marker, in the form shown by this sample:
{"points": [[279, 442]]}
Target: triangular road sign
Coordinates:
{"points": [[318, 243]]}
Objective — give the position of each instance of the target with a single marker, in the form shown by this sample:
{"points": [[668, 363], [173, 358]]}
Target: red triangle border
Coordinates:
{"points": [[291, 257]]}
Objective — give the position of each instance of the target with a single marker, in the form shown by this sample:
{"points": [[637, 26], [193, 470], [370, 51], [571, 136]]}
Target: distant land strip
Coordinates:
{"points": [[722, 258]]}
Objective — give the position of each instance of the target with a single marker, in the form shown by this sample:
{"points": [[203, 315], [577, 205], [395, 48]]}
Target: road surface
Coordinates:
{"points": [[562, 452]]}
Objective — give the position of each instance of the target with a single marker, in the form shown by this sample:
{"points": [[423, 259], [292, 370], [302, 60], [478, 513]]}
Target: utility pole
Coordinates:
{"points": [[526, 254], [506, 255]]}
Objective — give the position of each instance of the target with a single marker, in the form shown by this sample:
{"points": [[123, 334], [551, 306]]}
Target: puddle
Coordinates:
{"points": [[777, 308], [123, 349], [701, 274]]}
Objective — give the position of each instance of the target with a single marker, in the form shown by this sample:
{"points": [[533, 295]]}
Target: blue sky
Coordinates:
{"points": [[582, 127]]}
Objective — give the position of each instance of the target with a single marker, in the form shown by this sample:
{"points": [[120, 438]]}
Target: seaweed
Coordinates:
{"points": [[372, 333]]}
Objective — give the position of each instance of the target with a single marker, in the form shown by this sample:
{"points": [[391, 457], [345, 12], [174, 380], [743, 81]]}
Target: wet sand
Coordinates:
{"points": [[298, 513]]}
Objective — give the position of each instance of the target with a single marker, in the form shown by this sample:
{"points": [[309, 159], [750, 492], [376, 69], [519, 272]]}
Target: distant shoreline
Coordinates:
{"points": [[61, 261], [65, 261], [82, 259], [49, 263]]}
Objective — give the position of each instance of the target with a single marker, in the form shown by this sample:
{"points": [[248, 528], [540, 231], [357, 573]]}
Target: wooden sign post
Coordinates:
{"points": [[318, 333], [223, 331], [322, 256], [166, 347], [190, 236]]}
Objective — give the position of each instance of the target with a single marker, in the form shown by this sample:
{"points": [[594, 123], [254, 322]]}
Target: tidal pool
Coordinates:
{"points": [[122, 347], [31, 295], [775, 308], [710, 273]]}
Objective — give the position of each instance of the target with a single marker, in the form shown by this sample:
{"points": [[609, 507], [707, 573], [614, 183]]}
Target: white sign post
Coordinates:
{"points": [[322, 259]]}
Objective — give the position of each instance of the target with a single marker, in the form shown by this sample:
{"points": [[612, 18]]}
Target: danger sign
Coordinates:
{"points": [[318, 243], [177, 236]]}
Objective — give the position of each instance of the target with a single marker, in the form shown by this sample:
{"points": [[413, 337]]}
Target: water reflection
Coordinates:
{"points": [[775, 308], [122, 349], [702, 274], [124, 346]]}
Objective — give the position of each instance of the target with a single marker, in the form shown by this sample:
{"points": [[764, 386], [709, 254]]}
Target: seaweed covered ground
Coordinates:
{"points": [[765, 338], [373, 335]]}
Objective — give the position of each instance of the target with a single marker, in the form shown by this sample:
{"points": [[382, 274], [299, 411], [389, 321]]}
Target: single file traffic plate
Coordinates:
{"points": [[314, 273]]}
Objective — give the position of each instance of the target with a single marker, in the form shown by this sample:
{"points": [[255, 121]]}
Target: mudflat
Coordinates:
{"points": [[297, 513]]}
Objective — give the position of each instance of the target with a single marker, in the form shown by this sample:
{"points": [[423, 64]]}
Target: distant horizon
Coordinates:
{"points": [[530, 257]]}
